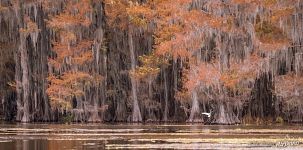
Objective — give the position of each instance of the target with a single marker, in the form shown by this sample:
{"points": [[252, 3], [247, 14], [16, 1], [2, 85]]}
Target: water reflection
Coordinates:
{"points": [[137, 136]]}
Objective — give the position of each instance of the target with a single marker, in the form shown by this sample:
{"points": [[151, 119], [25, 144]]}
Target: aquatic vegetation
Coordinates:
{"points": [[279, 120]]}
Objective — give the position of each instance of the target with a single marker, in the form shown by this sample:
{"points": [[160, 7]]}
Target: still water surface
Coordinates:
{"points": [[148, 136]]}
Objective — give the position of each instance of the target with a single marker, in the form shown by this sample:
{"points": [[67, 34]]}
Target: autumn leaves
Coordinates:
{"points": [[221, 44], [183, 31], [69, 75]]}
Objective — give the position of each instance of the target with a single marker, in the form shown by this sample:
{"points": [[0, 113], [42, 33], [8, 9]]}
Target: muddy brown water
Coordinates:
{"points": [[148, 136]]}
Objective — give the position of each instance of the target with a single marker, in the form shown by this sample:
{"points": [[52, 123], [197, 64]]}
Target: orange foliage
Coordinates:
{"points": [[150, 66], [270, 36], [3, 8], [30, 26], [82, 58], [289, 87], [238, 72], [76, 13], [80, 53], [116, 12], [71, 84], [67, 37], [122, 13], [180, 31], [167, 33], [265, 3], [195, 18], [281, 13], [139, 14], [71, 50], [203, 74], [172, 18]]}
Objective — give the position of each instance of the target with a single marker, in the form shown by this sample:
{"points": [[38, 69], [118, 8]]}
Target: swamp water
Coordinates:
{"points": [[148, 136]]}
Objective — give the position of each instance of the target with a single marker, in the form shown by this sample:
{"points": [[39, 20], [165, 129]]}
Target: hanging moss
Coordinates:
{"points": [[142, 63], [269, 33]]}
